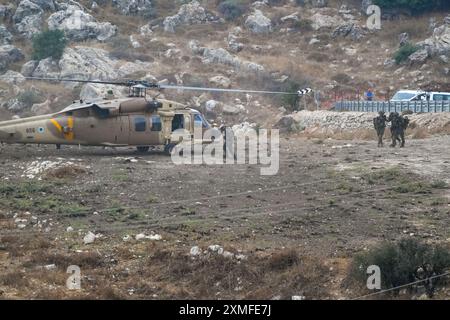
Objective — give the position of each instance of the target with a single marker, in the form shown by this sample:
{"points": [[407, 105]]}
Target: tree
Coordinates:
{"points": [[49, 43], [232, 9], [416, 6]]}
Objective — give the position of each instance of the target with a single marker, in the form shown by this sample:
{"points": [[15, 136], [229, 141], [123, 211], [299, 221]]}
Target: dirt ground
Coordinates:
{"points": [[292, 234]]}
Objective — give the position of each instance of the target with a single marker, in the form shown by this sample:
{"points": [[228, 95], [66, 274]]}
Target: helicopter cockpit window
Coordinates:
{"points": [[156, 123], [139, 124], [200, 121]]}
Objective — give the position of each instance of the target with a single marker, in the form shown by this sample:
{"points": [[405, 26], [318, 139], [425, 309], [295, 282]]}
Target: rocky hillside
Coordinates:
{"points": [[271, 44]]}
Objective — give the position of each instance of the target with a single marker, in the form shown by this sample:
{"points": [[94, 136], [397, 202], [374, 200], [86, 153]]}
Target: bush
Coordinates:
{"points": [[232, 9], [49, 44], [303, 25], [416, 6], [29, 97], [404, 52], [404, 262]]}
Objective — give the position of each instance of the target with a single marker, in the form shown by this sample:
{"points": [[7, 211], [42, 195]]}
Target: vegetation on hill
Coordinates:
{"points": [[49, 43], [416, 6]]}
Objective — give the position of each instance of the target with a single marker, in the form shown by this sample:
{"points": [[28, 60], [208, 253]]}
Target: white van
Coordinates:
{"points": [[414, 95]]}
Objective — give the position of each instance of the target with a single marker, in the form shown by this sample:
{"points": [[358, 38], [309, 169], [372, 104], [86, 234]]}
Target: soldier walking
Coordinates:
{"points": [[379, 124], [398, 127]]}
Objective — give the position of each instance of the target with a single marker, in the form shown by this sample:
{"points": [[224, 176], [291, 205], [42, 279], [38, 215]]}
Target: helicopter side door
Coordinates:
{"points": [[144, 129], [122, 130]]}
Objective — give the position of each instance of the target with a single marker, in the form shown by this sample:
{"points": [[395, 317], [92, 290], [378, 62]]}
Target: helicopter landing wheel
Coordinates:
{"points": [[143, 149]]}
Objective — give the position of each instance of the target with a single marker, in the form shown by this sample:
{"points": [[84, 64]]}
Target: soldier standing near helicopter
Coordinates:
{"points": [[379, 124]]}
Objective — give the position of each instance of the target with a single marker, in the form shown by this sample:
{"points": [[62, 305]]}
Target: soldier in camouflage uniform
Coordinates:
{"points": [[404, 126], [379, 124], [398, 127]]}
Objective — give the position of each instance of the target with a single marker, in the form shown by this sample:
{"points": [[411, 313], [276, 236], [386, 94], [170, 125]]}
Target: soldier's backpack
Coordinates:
{"points": [[405, 123], [379, 122]]}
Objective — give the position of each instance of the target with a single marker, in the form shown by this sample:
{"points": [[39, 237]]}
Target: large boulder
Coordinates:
{"points": [[439, 43], [87, 63], [403, 39], [220, 81], [233, 40], [321, 21], [191, 13], [143, 8], [222, 56], [79, 25], [6, 12], [9, 54], [132, 67], [257, 22], [47, 5], [419, 57], [26, 8], [5, 36], [30, 25], [47, 68], [351, 30], [12, 77], [92, 91], [28, 18], [28, 68]]}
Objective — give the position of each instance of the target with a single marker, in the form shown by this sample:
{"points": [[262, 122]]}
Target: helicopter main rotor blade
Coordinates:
{"points": [[301, 92], [127, 83], [76, 80], [148, 85]]}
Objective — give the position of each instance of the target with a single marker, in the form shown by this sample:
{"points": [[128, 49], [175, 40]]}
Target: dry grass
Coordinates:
{"points": [[15, 279], [69, 171], [284, 273], [419, 133], [360, 134], [85, 260]]}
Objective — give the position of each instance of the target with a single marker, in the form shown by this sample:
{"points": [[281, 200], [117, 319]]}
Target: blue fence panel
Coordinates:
{"points": [[387, 106]]}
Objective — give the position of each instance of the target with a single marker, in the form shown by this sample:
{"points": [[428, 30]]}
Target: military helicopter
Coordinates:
{"points": [[136, 121]]}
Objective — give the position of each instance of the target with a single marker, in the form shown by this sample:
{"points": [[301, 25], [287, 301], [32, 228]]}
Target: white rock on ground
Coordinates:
{"points": [[321, 21], [257, 22], [89, 238], [222, 56], [195, 251]]}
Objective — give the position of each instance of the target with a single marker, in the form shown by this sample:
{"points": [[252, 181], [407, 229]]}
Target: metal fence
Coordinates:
{"points": [[387, 106]]}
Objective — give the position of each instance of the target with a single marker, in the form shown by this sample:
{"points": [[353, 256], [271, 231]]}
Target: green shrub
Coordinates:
{"points": [[29, 97], [49, 44], [303, 25], [291, 100], [416, 6], [404, 262], [232, 9], [404, 52]]}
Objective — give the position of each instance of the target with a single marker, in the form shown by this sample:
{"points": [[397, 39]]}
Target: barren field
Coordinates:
{"points": [[263, 237]]}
